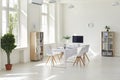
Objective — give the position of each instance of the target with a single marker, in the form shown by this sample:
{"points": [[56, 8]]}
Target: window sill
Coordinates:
{"points": [[21, 47]]}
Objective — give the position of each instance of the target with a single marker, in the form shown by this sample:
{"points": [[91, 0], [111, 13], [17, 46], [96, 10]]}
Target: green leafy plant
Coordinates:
{"points": [[8, 44], [107, 28], [66, 37], [12, 21]]}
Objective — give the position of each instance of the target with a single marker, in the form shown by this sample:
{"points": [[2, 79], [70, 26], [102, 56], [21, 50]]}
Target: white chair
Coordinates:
{"points": [[81, 51], [50, 54], [85, 54]]}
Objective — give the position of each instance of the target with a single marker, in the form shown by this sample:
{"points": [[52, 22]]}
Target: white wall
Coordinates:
{"points": [[34, 12], [100, 13]]}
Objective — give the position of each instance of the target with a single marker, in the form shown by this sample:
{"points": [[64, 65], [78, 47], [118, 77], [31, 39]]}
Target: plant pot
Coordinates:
{"points": [[8, 66]]}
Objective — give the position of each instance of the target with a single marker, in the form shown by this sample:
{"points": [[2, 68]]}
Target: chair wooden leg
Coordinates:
{"points": [[48, 59], [83, 58], [82, 61], [75, 61], [58, 55], [87, 57], [54, 59], [78, 59], [61, 55]]}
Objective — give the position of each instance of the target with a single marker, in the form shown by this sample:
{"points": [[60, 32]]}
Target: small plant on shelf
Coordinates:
{"points": [[107, 28]]}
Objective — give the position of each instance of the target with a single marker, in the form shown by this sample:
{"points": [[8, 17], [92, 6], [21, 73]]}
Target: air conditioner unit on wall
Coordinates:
{"points": [[38, 2], [52, 1]]}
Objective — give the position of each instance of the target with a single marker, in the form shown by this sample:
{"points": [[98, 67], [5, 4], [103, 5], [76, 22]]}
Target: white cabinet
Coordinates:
{"points": [[107, 43], [36, 46]]}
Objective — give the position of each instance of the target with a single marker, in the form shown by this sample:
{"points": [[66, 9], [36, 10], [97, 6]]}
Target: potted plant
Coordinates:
{"points": [[107, 28], [66, 37], [8, 44]]}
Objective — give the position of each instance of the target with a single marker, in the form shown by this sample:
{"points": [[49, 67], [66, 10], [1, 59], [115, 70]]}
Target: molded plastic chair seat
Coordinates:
{"points": [[81, 51], [51, 55], [80, 57]]}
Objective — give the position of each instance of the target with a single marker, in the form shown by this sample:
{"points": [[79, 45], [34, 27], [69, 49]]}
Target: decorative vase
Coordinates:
{"points": [[64, 46], [67, 41]]}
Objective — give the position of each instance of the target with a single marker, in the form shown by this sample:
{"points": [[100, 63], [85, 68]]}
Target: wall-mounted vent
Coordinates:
{"points": [[38, 2]]}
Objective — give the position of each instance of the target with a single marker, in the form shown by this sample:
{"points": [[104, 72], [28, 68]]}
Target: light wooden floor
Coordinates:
{"points": [[99, 68]]}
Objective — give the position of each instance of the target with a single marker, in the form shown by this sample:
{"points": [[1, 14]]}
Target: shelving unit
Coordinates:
{"points": [[36, 46], [107, 43]]}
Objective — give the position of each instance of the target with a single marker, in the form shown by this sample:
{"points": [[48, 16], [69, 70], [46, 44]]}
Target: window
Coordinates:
{"points": [[10, 17], [48, 22], [45, 22]]}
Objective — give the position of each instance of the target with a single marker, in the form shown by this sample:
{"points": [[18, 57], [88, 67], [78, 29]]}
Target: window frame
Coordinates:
{"points": [[9, 9], [48, 23]]}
